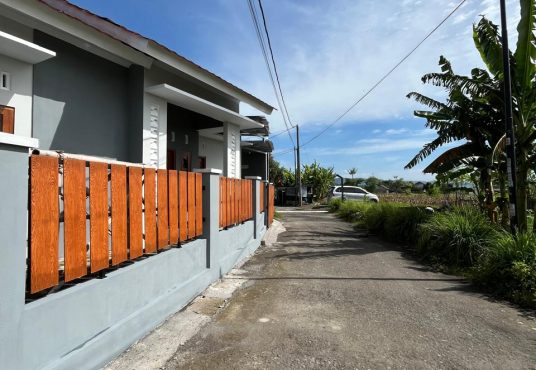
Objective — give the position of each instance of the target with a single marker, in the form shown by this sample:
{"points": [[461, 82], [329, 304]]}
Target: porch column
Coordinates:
{"points": [[211, 210], [232, 162], [14, 166], [256, 205]]}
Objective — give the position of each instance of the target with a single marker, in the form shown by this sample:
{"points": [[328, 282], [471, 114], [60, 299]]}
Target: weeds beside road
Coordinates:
{"points": [[460, 239]]}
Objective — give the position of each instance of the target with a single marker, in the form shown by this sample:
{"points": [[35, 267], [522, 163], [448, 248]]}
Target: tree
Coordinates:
{"points": [[279, 175], [372, 183], [481, 94], [319, 178], [352, 172]]}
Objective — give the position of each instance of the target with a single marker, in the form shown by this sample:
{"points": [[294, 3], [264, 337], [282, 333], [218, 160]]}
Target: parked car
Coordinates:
{"points": [[354, 193]]}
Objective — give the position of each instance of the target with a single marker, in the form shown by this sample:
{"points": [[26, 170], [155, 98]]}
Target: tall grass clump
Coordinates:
{"points": [[353, 211], [397, 223], [456, 238], [508, 268], [334, 204]]}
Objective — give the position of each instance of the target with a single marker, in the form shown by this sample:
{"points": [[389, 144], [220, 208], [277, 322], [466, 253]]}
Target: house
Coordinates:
{"points": [[123, 186], [382, 189], [82, 84]]}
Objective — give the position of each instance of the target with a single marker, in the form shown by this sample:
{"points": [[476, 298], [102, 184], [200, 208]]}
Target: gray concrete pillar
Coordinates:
{"points": [[231, 157], [255, 204], [211, 210], [13, 243]]}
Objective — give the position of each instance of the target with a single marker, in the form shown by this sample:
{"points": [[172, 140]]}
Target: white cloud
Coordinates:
{"points": [[332, 52]]}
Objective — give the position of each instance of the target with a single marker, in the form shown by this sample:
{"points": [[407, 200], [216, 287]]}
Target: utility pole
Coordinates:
{"points": [[509, 123], [298, 166]]}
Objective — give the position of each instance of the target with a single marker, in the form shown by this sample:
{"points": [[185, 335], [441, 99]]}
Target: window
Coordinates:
{"points": [[7, 119], [5, 83]]}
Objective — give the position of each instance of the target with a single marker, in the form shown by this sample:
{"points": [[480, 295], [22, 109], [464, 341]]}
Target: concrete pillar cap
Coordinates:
{"points": [[213, 171]]}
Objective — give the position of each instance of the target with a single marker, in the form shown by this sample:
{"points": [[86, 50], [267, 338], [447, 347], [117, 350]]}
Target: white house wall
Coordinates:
{"points": [[154, 131], [19, 95], [213, 151]]}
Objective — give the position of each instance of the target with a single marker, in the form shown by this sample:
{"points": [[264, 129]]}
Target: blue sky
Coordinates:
{"points": [[328, 54]]}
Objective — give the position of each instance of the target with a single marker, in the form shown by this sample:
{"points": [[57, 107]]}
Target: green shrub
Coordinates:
{"points": [[457, 238], [352, 210], [395, 222], [508, 268], [334, 204]]}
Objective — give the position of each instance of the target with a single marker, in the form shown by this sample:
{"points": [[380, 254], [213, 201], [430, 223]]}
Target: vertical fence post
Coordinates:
{"points": [[255, 204], [14, 167], [265, 184], [211, 209]]}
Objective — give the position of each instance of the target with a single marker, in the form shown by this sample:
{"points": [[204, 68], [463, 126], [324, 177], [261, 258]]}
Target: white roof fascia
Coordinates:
{"points": [[25, 51], [43, 18], [201, 106]]}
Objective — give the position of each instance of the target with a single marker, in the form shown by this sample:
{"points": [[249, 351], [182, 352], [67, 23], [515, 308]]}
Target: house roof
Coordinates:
{"points": [[155, 50]]}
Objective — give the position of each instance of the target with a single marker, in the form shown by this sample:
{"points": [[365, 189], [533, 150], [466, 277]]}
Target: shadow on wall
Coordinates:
{"points": [[80, 102]]}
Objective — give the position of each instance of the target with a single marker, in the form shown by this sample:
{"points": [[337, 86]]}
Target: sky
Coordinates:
{"points": [[328, 53]]}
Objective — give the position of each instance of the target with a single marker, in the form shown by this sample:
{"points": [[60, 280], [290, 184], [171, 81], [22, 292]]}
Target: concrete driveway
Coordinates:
{"points": [[323, 297]]}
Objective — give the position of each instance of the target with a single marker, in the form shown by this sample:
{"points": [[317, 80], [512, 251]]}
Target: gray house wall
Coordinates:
{"points": [[81, 102]]}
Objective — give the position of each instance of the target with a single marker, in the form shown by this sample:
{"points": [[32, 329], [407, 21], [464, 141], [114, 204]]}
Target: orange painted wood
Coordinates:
{"points": [[232, 201], [74, 204], [150, 209], [198, 204], [237, 200], [44, 223], [98, 213], [173, 198], [262, 186], [163, 216], [119, 214], [135, 212], [271, 209], [225, 202], [191, 205], [221, 203], [183, 205]]}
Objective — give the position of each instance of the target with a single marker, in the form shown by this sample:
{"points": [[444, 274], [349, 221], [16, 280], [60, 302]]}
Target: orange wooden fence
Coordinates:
{"points": [[131, 211], [271, 208], [236, 201], [262, 197]]}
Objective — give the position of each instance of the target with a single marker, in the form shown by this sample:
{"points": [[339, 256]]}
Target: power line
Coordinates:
{"points": [[260, 38], [383, 78], [273, 61]]}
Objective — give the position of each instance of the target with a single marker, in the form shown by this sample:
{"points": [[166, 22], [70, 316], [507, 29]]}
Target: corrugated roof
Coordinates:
{"points": [[134, 40]]}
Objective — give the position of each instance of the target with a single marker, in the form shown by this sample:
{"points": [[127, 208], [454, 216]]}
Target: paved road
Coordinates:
{"points": [[322, 297]]}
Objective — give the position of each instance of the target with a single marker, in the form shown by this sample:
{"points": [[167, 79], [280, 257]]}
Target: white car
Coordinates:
{"points": [[354, 193]]}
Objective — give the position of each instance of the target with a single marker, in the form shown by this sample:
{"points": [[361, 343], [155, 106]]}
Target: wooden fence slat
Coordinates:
{"points": [[150, 209], [221, 202], [261, 195], [183, 205], [198, 204], [44, 223], [191, 205], [135, 212], [119, 214], [173, 192], [226, 201], [74, 215], [163, 221], [98, 211]]}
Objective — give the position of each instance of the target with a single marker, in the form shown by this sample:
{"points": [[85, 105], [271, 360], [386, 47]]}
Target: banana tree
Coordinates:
{"points": [[485, 87]]}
